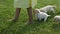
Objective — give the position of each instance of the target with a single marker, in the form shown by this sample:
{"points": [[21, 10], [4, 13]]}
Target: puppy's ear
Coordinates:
{"points": [[35, 11]]}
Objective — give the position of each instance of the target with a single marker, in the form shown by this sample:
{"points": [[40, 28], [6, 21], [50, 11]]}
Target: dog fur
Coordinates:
{"points": [[41, 15]]}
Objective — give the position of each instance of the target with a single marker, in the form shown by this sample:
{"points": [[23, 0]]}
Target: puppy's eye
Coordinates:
{"points": [[37, 11]]}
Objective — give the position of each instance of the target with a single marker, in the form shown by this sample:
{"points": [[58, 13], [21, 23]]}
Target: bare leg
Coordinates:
{"points": [[17, 14], [29, 10]]}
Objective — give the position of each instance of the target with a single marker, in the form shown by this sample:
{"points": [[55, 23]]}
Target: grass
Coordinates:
{"points": [[7, 12]]}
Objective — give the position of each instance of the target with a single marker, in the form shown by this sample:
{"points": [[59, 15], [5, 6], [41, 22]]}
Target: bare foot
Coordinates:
{"points": [[12, 20], [29, 22]]}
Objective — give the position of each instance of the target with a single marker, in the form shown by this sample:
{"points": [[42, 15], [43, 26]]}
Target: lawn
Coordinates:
{"points": [[7, 12]]}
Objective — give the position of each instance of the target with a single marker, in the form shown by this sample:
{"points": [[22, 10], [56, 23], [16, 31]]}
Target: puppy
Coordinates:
{"points": [[48, 8], [57, 18], [41, 15]]}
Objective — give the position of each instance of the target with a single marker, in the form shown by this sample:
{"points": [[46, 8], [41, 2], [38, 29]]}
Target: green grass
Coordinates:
{"points": [[7, 12]]}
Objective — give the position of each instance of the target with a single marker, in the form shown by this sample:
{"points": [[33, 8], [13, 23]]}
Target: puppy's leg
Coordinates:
{"points": [[38, 19], [45, 19]]}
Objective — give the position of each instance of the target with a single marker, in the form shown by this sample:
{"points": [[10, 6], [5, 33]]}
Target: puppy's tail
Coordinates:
{"points": [[48, 15]]}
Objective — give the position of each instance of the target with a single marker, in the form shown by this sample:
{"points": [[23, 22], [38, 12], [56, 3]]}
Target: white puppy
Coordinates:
{"points": [[57, 18], [41, 15], [48, 8]]}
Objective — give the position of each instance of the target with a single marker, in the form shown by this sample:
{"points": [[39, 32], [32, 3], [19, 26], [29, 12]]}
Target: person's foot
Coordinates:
{"points": [[29, 22], [12, 20]]}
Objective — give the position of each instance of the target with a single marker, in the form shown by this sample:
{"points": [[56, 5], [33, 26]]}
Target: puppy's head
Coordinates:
{"points": [[54, 7], [36, 11]]}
